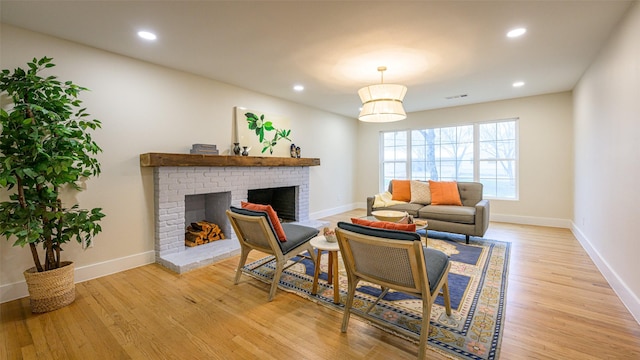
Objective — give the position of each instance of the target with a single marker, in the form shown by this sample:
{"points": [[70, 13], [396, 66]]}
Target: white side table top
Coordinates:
{"points": [[319, 242]]}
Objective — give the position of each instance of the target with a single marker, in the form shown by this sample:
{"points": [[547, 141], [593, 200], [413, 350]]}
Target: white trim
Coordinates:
{"points": [[19, 290], [628, 298], [531, 220], [336, 210]]}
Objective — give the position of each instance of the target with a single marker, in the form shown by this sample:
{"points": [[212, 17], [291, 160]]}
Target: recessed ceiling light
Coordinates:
{"points": [[298, 87], [147, 35], [518, 84], [516, 32]]}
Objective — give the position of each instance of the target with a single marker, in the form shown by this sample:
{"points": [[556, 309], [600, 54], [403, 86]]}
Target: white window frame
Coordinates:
{"points": [[476, 159]]}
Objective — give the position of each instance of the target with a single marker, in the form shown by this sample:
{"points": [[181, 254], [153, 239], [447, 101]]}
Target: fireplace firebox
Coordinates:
{"points": [[281, 199]]}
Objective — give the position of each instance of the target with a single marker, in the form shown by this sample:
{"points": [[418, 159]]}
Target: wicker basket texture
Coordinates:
{"points": [[51, 290]]}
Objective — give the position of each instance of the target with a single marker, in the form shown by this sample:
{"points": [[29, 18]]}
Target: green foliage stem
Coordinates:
{"points": [[45, 146]]}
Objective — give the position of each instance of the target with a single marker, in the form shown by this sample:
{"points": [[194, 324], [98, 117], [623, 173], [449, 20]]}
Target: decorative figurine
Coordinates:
{"points": [[293, 150], [298, 152]]}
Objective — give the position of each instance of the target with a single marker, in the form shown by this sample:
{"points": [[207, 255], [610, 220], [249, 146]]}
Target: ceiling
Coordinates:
{"points": [[438, 49]]}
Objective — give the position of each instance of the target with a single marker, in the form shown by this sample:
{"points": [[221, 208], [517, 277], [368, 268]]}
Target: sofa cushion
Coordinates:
{"points": [[420, 192], [450, 213], [444, 193], [411, 209], [470, 193], [401, 190]]}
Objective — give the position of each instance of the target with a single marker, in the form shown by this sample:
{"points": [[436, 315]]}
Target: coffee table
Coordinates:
{"points": [[320, 243]]}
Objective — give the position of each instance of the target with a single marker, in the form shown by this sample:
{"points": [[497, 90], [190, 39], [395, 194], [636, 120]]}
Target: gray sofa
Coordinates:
{"points": [[470, 219]]}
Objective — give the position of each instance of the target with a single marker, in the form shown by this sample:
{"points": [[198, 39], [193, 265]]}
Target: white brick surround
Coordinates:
{"points": [[173, 183]]}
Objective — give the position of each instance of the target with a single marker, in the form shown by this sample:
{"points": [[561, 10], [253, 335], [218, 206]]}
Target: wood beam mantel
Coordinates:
{"points": [[164, 159]]}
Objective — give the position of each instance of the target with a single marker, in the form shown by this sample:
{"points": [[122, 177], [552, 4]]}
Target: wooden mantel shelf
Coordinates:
{"points": [[164, 159]]}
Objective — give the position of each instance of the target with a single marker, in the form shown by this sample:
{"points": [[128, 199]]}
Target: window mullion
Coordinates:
{"points": [[476, 152], [409, 156]]}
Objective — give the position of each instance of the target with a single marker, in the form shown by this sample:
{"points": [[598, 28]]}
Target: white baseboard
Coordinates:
{"points": [[531, 220], [19, 290], [628, 298], [333, 211]]}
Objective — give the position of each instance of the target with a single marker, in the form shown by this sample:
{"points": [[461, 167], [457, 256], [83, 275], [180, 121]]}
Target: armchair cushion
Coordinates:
{"points": [[437, 264], [296, 235], [249, 212], [385, 233], [384, 224], [273, 216]]}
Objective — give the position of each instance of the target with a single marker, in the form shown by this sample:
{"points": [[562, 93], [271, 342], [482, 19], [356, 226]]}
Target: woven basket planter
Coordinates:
{"points": [[51, 290]]}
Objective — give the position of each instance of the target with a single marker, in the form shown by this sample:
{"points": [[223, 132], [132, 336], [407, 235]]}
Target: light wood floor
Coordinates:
{"points": [[558, 307]]}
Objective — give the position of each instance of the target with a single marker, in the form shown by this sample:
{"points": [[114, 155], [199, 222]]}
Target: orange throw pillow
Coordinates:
{"points": [[273, 216], [384, 225], [401, 190], [444, 193]]}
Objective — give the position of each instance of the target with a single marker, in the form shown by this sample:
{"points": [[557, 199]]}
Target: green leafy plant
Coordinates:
{"points": [[260, 126], [45, 148]]}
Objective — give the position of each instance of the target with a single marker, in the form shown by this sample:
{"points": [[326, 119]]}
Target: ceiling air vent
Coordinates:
{"points": [[456, 96]]}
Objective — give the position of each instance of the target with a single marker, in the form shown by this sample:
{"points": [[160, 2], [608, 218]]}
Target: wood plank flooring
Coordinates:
{"points": [[558, 307]]}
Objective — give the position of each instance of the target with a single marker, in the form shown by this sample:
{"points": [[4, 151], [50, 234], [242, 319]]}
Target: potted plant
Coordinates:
{"points": [[46, 149]]}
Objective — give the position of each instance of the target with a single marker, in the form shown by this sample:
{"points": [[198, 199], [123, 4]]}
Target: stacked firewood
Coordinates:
{"points": [[202, 232]]}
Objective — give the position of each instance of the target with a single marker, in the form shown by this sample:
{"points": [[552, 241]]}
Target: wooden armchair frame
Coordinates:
{"points": [[391, 264], [254, 232]]}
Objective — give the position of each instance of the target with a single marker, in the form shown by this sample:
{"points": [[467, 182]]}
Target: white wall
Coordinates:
{"points": [[148, 108], [607, 160], [545, 159]]}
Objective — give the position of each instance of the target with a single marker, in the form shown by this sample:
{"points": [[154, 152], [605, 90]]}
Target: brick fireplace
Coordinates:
{"points": [[202, 186]]}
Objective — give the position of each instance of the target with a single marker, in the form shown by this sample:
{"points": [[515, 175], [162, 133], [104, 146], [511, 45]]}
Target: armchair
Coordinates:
{"points": [[255, 232], [393, 260]]}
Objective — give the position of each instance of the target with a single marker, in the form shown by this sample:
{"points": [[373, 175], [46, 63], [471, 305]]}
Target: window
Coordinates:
{"points": [[394, 156], [484, 152]]}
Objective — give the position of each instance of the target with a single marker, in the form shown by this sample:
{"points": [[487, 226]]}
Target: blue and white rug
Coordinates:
{"points": [[477, 286]]}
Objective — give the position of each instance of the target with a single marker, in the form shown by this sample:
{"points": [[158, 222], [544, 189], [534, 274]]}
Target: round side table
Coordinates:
{"points": [[320, 243]]}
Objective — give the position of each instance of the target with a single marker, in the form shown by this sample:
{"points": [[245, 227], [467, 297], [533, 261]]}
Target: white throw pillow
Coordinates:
{"points": [[420, 192]]}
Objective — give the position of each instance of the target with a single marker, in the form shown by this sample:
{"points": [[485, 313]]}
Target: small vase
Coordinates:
{"points": [[245, 151], [236, 148]]}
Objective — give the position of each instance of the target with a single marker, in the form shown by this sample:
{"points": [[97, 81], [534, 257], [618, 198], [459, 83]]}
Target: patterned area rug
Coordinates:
{"points": [[477, 286]]}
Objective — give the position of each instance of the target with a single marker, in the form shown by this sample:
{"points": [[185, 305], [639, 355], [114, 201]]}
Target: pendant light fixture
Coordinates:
{"points": [[382, 102]]}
